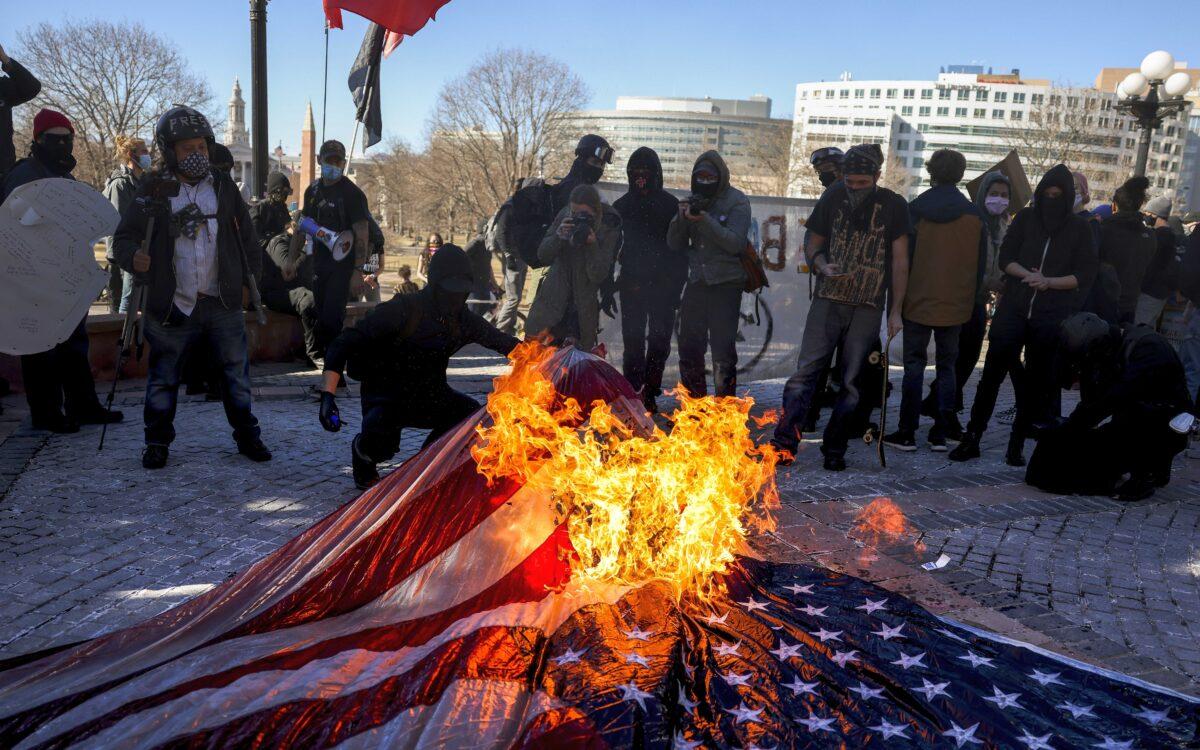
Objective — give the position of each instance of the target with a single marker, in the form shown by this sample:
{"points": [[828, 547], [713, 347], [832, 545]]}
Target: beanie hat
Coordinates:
{"points": [[49, 118], [1160, 207]]}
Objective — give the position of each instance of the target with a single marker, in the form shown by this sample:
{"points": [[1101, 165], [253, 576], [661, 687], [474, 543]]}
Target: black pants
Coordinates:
{"points": [[61, 378], [647, 322], [1136, 441], [300, 303], [387, 409], [331, 292], [708, 316], [970, 344], [1038, 394]]}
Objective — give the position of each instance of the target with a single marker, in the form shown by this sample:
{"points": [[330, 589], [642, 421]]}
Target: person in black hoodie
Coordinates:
{"points": [[400, 352], [18, 87], [652, 275], [200, 254], [1126, 248], [1159, 281], [1047, 256]]}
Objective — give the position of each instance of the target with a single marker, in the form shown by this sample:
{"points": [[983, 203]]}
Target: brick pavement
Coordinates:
{"points": [[90, 542]]}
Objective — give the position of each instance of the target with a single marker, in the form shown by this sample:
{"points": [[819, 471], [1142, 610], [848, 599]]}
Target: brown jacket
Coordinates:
{"points": [[949, 252]]}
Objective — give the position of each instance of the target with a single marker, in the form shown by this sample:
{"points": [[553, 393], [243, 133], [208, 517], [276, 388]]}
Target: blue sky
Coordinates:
{"points": [[718, 48]]}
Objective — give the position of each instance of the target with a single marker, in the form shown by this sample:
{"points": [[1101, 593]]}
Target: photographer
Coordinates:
{"points": [[580, 248], [120, 189], [400, 352], [286, 279], [711, 227], [1136, 382], [58, 380], [202, 248]]}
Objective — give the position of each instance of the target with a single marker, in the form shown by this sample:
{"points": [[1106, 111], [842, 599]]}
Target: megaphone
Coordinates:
{"points": [[340, 244]]}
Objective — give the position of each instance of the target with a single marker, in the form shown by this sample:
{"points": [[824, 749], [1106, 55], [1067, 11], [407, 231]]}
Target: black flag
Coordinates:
{"points": [[364, 85]]}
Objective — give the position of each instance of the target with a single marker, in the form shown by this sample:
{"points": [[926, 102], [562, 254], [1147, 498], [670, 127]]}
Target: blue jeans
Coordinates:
{"points": [[225, 331], [852, 330], [916, 344], [1189, 352], [126, 291]]}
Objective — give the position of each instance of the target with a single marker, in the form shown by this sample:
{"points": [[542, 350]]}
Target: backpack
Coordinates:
{"points": [[520, 224]]}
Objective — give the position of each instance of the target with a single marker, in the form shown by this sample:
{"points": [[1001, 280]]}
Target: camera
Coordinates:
{"points": [[695, 205], [581, 227]]}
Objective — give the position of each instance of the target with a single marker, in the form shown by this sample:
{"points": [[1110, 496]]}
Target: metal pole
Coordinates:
{"points": [[258, 83], [1143, 154], [325, 96]]}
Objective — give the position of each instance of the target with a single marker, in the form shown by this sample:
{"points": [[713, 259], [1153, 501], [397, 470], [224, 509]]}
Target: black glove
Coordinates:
{"points": [[331, 420], [608, 299]]}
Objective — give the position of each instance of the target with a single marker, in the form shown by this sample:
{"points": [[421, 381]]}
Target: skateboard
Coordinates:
{"points": [[874, 435]]}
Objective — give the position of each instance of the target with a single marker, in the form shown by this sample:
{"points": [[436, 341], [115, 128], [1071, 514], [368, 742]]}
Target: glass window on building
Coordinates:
{"points": [[891, 93], [901, 145], [918, 162], [906, 111], [980, 112], [926, 93], [828, 93], [923, 112], [960, 111], [909, 93], [943, 111], [1019, 98], [943, 93], [859, 93], [918, 145], [904, 128], [1037, 99], [997, 114], [981, 95], [876, 93], [1016, 114], [904, 161], [964, 94], [844, 94], [1001, 96]]}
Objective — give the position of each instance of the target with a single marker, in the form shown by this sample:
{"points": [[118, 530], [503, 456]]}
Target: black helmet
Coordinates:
{"points": [[1081, 334], [593, 145], [829, 153], [177, 124]]}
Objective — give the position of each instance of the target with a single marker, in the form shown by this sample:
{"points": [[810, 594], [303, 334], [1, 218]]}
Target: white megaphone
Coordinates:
{"points": [[340, 244]]}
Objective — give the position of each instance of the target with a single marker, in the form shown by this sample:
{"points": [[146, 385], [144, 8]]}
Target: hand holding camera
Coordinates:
{"points": [[692, 208], [577, 229]]}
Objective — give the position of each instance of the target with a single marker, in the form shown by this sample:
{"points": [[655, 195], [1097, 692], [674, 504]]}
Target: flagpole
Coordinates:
{"points": [[325, 98], [357, 122]]}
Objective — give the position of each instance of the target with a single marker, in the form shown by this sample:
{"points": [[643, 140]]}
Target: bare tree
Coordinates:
{"points": [[1060, 130], [110, 79], [774, 160], [896, 177], [507, 117]]}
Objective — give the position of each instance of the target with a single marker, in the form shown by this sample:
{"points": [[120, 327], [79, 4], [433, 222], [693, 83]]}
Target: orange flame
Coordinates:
{"points": [[769, 417], [640, 504], [882, 521]]}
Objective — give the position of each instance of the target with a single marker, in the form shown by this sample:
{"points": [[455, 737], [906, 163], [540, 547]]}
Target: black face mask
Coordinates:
{"points": [[1150, 220], [641, 182], [55, 154], [1052, 210], [705, 189], [827, 178], [590, 174]]}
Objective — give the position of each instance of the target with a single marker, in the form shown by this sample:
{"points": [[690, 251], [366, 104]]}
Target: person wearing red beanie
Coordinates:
{"points": [[47, 119]]}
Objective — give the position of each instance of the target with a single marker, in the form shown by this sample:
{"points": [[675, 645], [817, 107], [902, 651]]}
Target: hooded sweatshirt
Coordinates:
{"points": [[714, 244], [646, 259], [949, 252], [404, 345], [121, 189], [995, 227], [1059, 244], [1126, 247]]}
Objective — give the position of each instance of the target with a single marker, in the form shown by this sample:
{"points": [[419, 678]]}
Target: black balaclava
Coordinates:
{"points": [[450, 280], [706, 180], [645, 172], [1053, 213], [583, 151], [827, 177], [55, 153]]}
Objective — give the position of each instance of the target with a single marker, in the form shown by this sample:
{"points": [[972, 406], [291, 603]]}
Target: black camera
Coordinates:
{"points": [[581, 227], [695, 205]]}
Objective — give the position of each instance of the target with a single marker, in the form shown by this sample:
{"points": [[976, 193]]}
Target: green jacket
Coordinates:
{"points": [[715, 243]]}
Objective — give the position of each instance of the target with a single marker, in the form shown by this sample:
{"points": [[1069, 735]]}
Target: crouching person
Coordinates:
{"points": [[400, 352], [1134, 380]]}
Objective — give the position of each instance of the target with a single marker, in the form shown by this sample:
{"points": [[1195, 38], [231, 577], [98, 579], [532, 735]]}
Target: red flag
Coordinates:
{"points": [[403, 17]]}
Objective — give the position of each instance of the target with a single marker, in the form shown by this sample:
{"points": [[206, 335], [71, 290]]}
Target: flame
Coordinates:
{"points": [[769, 417], [882, 521], [640, 504]]}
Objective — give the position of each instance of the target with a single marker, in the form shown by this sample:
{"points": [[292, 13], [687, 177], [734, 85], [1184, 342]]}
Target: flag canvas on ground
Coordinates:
{"points": [[439, 609]]}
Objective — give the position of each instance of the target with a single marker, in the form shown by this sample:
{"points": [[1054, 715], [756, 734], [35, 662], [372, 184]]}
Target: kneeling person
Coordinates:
{"points": [[286, 286], [1134, 380], [400, 352]]}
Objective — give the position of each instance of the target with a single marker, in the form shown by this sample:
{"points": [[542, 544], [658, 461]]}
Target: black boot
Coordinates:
{"points": [[968, 447], [1015, 455], [365, 474]]}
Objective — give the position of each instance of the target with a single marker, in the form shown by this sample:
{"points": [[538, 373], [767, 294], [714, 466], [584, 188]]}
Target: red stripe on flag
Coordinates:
{"points": [[401, 16]]}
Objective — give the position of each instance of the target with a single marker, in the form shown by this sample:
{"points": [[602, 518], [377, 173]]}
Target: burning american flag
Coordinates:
{"points": [[557, 572]]}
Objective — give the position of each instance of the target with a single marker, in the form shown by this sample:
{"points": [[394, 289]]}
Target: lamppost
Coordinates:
{"points": [[258, 95], [1151, 94]]}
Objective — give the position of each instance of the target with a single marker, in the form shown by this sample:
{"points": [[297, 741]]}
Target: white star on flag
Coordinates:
{"points": [[798, 687], [785, 651], [871, 606], [1154, 717], [751, 605], [1077, 711], [634, 657], [1035, 743], [816, 723], [1002, 699], [1046, 678], [812, 611], [1111, 744], [827, 635], [570, 656], [933, 689], [905, 661], [742, 714], [714, 620], [681, 743], [963, 736], [688, 705], [890, 730], [631, 692], [951, 634], [976, 660], [887, 633], [637, 634], [725, 649], [867, 693], [842, 657], [737, 680], [795, 589]]}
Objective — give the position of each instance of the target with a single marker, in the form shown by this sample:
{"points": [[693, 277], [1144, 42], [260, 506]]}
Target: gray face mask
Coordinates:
{"points": [[857, 196]]}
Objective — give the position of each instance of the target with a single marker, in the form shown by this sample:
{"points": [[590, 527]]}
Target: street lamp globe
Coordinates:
{"points": [[1134, 84], [1158, 65], [1178, 84]]}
